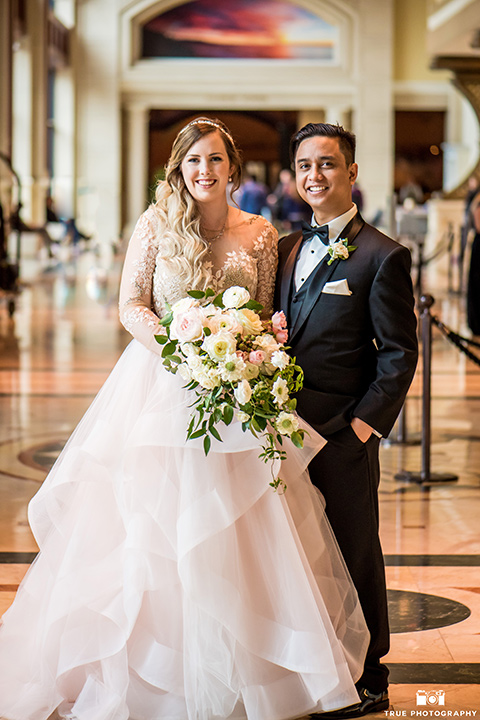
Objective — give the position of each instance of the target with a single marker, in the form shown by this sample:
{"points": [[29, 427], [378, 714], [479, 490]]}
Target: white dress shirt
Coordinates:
{"points": [[313, 251]]}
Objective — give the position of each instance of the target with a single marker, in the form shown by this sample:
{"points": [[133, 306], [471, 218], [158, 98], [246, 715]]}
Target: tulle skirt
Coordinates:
{"points": [[175, 586]]}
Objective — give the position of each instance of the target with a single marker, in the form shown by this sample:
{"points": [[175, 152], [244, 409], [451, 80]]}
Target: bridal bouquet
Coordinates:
{"points": [[236, 365]]}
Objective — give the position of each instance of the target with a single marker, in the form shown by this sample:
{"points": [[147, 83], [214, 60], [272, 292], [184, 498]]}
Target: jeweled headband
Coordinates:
{"points": [[208, 122]]}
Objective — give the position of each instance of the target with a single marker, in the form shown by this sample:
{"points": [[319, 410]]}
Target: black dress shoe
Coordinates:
{"points": [[369, 703]]}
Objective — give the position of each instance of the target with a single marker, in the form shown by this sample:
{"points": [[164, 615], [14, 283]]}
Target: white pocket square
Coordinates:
{"points": [[337, 287]]}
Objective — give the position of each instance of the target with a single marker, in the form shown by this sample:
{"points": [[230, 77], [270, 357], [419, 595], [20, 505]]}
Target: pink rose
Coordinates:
{"points": [[279, 321], [281, 336], [187, 326], [257, 357]]}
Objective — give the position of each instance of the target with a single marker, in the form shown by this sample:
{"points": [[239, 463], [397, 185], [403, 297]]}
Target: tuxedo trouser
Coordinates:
{"points": [[347, 472]]}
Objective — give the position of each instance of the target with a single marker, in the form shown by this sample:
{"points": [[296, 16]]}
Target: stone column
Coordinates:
{"points": [[373, 110], [338, 115], [64, 170], [37, 30], [95, 53], [6, 41], [136, 169]]}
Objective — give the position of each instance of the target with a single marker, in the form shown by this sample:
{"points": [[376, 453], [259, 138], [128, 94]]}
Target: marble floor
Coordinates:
{"points": [[59, 347]]}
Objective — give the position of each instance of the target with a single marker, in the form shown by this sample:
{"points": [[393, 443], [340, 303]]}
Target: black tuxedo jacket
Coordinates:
{"points": [[358, 351]]}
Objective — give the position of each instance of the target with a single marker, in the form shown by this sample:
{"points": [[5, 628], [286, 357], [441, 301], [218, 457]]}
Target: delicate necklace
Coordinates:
{"points": [[219, 234]]}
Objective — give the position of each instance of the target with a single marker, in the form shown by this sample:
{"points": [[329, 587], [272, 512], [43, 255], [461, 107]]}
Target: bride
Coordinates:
{"points": [[170, 585]]}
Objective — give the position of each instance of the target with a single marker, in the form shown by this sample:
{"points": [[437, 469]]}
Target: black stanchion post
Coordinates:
{"points": [[401, 436], [425, 475], [402, 425], [425, 303]]}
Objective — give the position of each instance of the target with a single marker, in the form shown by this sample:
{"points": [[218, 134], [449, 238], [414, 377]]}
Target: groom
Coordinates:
{"points": [[347, 293]]}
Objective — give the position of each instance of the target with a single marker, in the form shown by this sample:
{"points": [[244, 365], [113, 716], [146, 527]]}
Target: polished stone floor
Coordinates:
{"points": [[59, 347]]}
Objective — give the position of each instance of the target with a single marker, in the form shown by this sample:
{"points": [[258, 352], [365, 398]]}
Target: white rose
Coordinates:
{"points": [[219, 345], [188, 349], [251, 371], [250, 321], [286, 423], [184, 372], [224, 321], [210, 309], [187, 326], [235, 297], [268, 369], [243, 392], [280, 359], [194, 362], [340, 251], [267, 342], [242, 416], [183, 305], [208, 379]]}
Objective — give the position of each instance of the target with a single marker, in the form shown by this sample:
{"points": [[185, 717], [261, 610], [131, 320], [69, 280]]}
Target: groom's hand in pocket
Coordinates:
{"points": [[361, 429]]}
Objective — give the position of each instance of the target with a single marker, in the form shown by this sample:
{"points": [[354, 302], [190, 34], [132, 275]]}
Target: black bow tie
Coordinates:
{"points": [[310, 232]]}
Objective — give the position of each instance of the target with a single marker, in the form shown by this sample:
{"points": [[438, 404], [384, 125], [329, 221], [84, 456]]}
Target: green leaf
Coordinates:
{"points": [[207, 331], [209, 293], [206, 444], [169, 349], [215, 433], [198, 433], [161, 339], [297, 439], [255, 424], [166, 319], [259, 423], [265, 414], [253, 305], [174, 358], [218, 302], [227, 414], [196, 294]]}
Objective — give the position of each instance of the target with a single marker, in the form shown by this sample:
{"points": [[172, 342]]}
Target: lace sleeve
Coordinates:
{"points": [[267, 260], [135, 301]]}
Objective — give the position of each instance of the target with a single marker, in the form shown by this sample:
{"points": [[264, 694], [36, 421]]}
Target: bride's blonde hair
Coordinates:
{"points": [[181, 245]]}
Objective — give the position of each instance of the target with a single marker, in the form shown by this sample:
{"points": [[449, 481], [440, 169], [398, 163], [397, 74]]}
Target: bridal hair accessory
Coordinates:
{"points": [[237, 366], [208, 122], [340, 250]]}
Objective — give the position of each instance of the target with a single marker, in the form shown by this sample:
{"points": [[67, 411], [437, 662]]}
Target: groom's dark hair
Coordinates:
{"points": [[346, 139]]}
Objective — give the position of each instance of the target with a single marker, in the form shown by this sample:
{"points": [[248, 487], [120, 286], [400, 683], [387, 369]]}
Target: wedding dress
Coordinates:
{"points": [[170, 585]]}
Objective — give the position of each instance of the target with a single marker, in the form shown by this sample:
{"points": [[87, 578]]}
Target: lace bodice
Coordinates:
{"points": [[146, 285]]}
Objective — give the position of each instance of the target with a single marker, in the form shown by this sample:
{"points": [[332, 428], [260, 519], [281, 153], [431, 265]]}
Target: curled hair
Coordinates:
{"points": [[346, 139], [182, 247]]}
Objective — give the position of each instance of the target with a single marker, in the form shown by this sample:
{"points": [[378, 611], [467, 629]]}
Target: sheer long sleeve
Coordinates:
{"points": [[135, 302], [267, 260]]}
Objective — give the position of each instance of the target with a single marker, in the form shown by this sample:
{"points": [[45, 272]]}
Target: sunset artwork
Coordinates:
{"points": [[240, 29]]}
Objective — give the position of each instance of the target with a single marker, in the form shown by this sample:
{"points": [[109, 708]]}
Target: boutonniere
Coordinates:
{"points": [[340, 250]]}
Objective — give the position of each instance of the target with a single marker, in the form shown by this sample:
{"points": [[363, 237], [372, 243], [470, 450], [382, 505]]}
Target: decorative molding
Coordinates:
{"points": [[442, 11]]}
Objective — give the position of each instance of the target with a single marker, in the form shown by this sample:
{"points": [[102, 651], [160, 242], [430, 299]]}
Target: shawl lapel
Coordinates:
{"points": [[321, 274], [287, 275]]}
